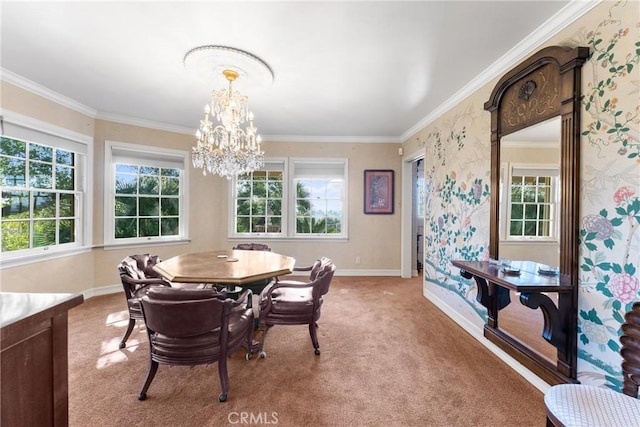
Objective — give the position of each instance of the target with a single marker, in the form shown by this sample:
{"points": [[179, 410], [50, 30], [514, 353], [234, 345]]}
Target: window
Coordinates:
{"points": [[532, 203], [315, 207], [319, 197], [259, 200], [43, 202], [146, 197]]}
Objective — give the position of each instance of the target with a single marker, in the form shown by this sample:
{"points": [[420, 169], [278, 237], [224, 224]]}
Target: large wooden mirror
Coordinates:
{"points": [[535, 131]]}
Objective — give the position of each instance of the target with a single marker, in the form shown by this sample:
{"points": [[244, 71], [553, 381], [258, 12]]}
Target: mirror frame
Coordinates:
{"points": [[545, 85]]}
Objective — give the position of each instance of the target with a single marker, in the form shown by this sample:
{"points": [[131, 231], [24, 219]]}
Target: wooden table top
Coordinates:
{"points": [[528, 278], [225, 267]]}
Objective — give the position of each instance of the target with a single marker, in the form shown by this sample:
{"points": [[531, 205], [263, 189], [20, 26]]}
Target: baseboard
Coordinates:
{"points": [[379, 273], [105, 290], [477, 333]]}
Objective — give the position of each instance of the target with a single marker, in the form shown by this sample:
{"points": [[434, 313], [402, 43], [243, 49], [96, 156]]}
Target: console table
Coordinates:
{"points": [[33, 358], [494, 283]]}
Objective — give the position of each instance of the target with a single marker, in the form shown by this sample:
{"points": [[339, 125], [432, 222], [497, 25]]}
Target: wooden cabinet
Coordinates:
{"points": [[33, 358]]}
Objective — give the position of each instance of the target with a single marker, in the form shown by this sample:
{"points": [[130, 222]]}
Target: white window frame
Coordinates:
{"points": [[21, 127], [288, 231], [143, 155], [507, 173]]}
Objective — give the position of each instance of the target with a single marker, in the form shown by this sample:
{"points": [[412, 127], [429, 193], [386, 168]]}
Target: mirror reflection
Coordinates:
{"points": [[530, 194], [529, 218]]}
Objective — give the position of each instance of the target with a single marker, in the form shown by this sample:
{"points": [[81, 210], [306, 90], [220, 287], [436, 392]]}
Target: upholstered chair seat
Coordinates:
{"points": [[577, 405], [590, 406]]}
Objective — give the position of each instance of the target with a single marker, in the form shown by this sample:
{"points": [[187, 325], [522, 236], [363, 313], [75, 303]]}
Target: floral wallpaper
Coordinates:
{"points": [[457, 162]]}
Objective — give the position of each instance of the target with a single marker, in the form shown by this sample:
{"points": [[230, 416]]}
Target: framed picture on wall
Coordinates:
{"points": [[378, 191]]}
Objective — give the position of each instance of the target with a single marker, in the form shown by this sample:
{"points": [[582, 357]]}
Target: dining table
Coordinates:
{"points": [[225, 267]]}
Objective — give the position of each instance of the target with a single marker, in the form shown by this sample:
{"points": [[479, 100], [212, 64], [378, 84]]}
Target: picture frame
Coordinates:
{"points": [[378, 191]]}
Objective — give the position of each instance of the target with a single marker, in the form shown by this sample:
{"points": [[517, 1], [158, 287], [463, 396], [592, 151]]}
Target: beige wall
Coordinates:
{"points": [[373, 238]]}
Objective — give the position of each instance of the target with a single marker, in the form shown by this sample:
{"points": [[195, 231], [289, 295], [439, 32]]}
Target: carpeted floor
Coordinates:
{"points": [[389, 358]]}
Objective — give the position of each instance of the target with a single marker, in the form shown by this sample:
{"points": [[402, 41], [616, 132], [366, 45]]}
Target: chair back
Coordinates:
{"points": [[630, 351], [136, 271], [252, 247], [182, 313], [323, 276]]}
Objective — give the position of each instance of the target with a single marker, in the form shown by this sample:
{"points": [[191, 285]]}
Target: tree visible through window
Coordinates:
{"points": [[38, 195], [259, 202], [147, 201], [318, 206]]}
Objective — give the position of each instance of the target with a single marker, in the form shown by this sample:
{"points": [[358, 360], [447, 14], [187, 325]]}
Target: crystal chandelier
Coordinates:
{"points": [[225, 148], [227, 143]]}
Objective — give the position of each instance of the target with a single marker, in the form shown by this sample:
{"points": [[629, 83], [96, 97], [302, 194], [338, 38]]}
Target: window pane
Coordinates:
{"points": [[243, 189], [15, 235], [170, 186], [40, 174], [64, 157], [258, 207], [243, 207], [126, 184], [13, 147], [333, 225], [15, 204], [260, 189], [126, 206], [126, 227], [274, 189], [67, 231], [274, 207], [44, 233], [149, 206], [146, 170], [170, 172], [149, 227], [334, 190], [530, 228], [517, 211], [274, 225], [126, 168], [170, 206], [149, 185], [334, 208], [258, 224], [13, 172], [44, 205], [319, 207], [531, 211], [242, 225], [40, 152], [516, 228], [170, 226], [64, 178], [67, 205]]}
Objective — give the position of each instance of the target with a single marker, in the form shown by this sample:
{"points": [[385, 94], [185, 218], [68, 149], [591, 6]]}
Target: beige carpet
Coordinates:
{"points": [[389, 358]]}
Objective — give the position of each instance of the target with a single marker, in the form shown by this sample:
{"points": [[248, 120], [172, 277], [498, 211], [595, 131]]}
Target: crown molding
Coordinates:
{"points": [[548, 29], [134, 121], [333, 139], [37, 89]]}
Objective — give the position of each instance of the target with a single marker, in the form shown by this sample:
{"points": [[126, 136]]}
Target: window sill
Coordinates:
{"points": [[44, 256], [267, 237], [142, 244]]}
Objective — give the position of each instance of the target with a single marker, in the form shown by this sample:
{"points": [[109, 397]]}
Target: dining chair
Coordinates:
{"points": [[257, 286], [289, 302], [191, 327], [137, 276], [586, 405]]}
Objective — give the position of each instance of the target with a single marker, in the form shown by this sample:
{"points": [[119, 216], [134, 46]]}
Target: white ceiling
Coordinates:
{"points": [[342, 69]]}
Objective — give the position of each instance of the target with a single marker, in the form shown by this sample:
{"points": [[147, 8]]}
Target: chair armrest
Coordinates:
{"points": [[245, 297], [303, 268]]}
